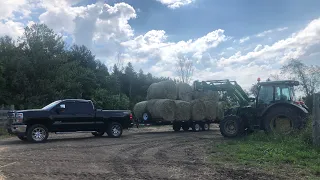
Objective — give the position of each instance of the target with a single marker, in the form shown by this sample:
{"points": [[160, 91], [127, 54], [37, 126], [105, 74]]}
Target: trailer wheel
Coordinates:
{"points": [[146, 116], [206, 127], [176, 127], [196, 127], [185, 127]]}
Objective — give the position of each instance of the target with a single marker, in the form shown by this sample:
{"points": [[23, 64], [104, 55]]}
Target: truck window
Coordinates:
{"points": [[282, 93], [83, 108]]}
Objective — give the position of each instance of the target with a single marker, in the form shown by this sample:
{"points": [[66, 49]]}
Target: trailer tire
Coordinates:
{"points": [[185, 127], [196, 127], [206, 127], [176, 127]]}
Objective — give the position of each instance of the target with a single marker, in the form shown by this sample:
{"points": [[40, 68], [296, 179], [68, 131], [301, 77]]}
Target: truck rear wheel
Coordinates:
{"points": [[37, 133], [114, 130], [231, 126]]}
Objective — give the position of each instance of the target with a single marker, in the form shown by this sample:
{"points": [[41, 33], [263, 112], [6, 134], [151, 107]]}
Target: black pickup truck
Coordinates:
{"points": [[69, 115]]}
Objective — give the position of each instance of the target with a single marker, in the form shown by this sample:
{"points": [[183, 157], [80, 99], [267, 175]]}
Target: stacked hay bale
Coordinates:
{"points": [[169, 101]]}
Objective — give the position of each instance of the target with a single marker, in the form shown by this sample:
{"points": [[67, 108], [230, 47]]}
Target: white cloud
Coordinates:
{"points": [[11, 28], [173, 4], [9, 7], [264, 33], [242, 40], [281, 51]]}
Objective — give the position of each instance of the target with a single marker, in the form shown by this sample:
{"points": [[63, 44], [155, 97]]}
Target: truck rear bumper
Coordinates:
{"points": [[18, 129]]}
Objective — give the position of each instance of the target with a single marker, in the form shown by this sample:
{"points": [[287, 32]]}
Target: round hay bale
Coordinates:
{"points": [[183, 111], [206, 95], [139, 109], [198, 110], [184, 91], [211, 110], [162, 108], [162, 90]]}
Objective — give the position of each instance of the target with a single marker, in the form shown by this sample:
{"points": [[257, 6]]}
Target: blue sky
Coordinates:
{"points": [[236, 39]]}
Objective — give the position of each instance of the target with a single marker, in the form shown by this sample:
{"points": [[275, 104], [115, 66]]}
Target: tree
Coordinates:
{"points": [[184, 69], [308, 76], [254, 90]]}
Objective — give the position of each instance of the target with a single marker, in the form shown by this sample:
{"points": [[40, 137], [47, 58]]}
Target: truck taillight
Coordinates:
{"points": [[131, 116], [19, 118]]}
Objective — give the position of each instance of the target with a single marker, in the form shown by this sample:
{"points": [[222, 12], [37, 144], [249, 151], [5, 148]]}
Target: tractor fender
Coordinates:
{"points": [[275, 105]]}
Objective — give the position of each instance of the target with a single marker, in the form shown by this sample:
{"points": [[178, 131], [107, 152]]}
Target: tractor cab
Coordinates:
{"points": [[271, 92]]}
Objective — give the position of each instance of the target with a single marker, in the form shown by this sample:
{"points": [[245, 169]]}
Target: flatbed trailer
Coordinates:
{"points": [[196, 126]]}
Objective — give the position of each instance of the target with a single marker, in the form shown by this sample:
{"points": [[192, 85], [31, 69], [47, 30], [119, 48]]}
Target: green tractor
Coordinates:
{"points": [[274, 109]]}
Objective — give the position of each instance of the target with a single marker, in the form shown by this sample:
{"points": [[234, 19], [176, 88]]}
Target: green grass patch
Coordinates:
{"points": [[294, 153]]}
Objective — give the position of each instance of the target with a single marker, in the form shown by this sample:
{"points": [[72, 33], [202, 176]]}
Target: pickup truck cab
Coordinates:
{"points": [[69, 115]]}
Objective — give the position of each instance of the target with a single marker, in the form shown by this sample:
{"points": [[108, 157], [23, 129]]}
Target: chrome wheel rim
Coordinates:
{"points": [[38, 134], [116, 130]]}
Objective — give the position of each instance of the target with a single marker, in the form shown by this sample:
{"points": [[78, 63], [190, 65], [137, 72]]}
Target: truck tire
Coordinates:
{"points": [[22, 138], [290, 117], [114, 130], [37, 133], [231, 126], [196, 127], [98, 134], [146, 116]]}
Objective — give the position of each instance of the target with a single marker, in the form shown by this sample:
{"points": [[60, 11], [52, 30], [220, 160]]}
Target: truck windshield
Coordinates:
{"points": [[51, 105]]}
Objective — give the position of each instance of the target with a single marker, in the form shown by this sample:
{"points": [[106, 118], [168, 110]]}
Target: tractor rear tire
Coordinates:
{"points": [[231, 126], [295, 120]]}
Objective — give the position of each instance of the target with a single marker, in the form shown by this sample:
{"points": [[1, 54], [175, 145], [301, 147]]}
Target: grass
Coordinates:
{"points": [[3, 133], [292, 154]]}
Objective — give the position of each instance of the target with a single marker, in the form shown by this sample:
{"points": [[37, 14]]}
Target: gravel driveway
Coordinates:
{"points": [[145, 153]]}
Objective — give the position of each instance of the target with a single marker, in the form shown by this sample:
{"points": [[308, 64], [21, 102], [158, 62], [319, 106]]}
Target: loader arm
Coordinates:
{"points": [[231, 87]]}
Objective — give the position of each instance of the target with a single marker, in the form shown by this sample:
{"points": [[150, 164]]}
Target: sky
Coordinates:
{"points": [[236, 39]]}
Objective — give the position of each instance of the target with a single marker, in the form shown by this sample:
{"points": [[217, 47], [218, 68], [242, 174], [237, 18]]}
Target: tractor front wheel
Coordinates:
{"points": [[231, 126]]}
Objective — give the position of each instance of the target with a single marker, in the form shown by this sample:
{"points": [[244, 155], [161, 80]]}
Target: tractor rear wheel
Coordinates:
{"points": [[282, 120], [231, 126]]}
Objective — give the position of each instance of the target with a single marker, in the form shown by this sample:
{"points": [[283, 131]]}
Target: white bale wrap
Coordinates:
{"points": [[162, 90], [183, 111], [162, 108]]}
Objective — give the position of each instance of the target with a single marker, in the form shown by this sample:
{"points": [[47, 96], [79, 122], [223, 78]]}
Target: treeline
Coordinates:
{"points": [[38, 68]]}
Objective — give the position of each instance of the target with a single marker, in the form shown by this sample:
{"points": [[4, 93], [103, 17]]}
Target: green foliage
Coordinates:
{"points": [[39, 69], [270, 152]]}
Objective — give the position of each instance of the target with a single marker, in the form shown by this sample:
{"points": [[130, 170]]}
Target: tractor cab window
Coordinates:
{"points": [[283, 94], [265, 95]]}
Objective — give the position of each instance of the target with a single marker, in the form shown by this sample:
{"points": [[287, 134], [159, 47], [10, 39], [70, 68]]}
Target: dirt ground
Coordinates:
{"points": [[145, 153]]}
